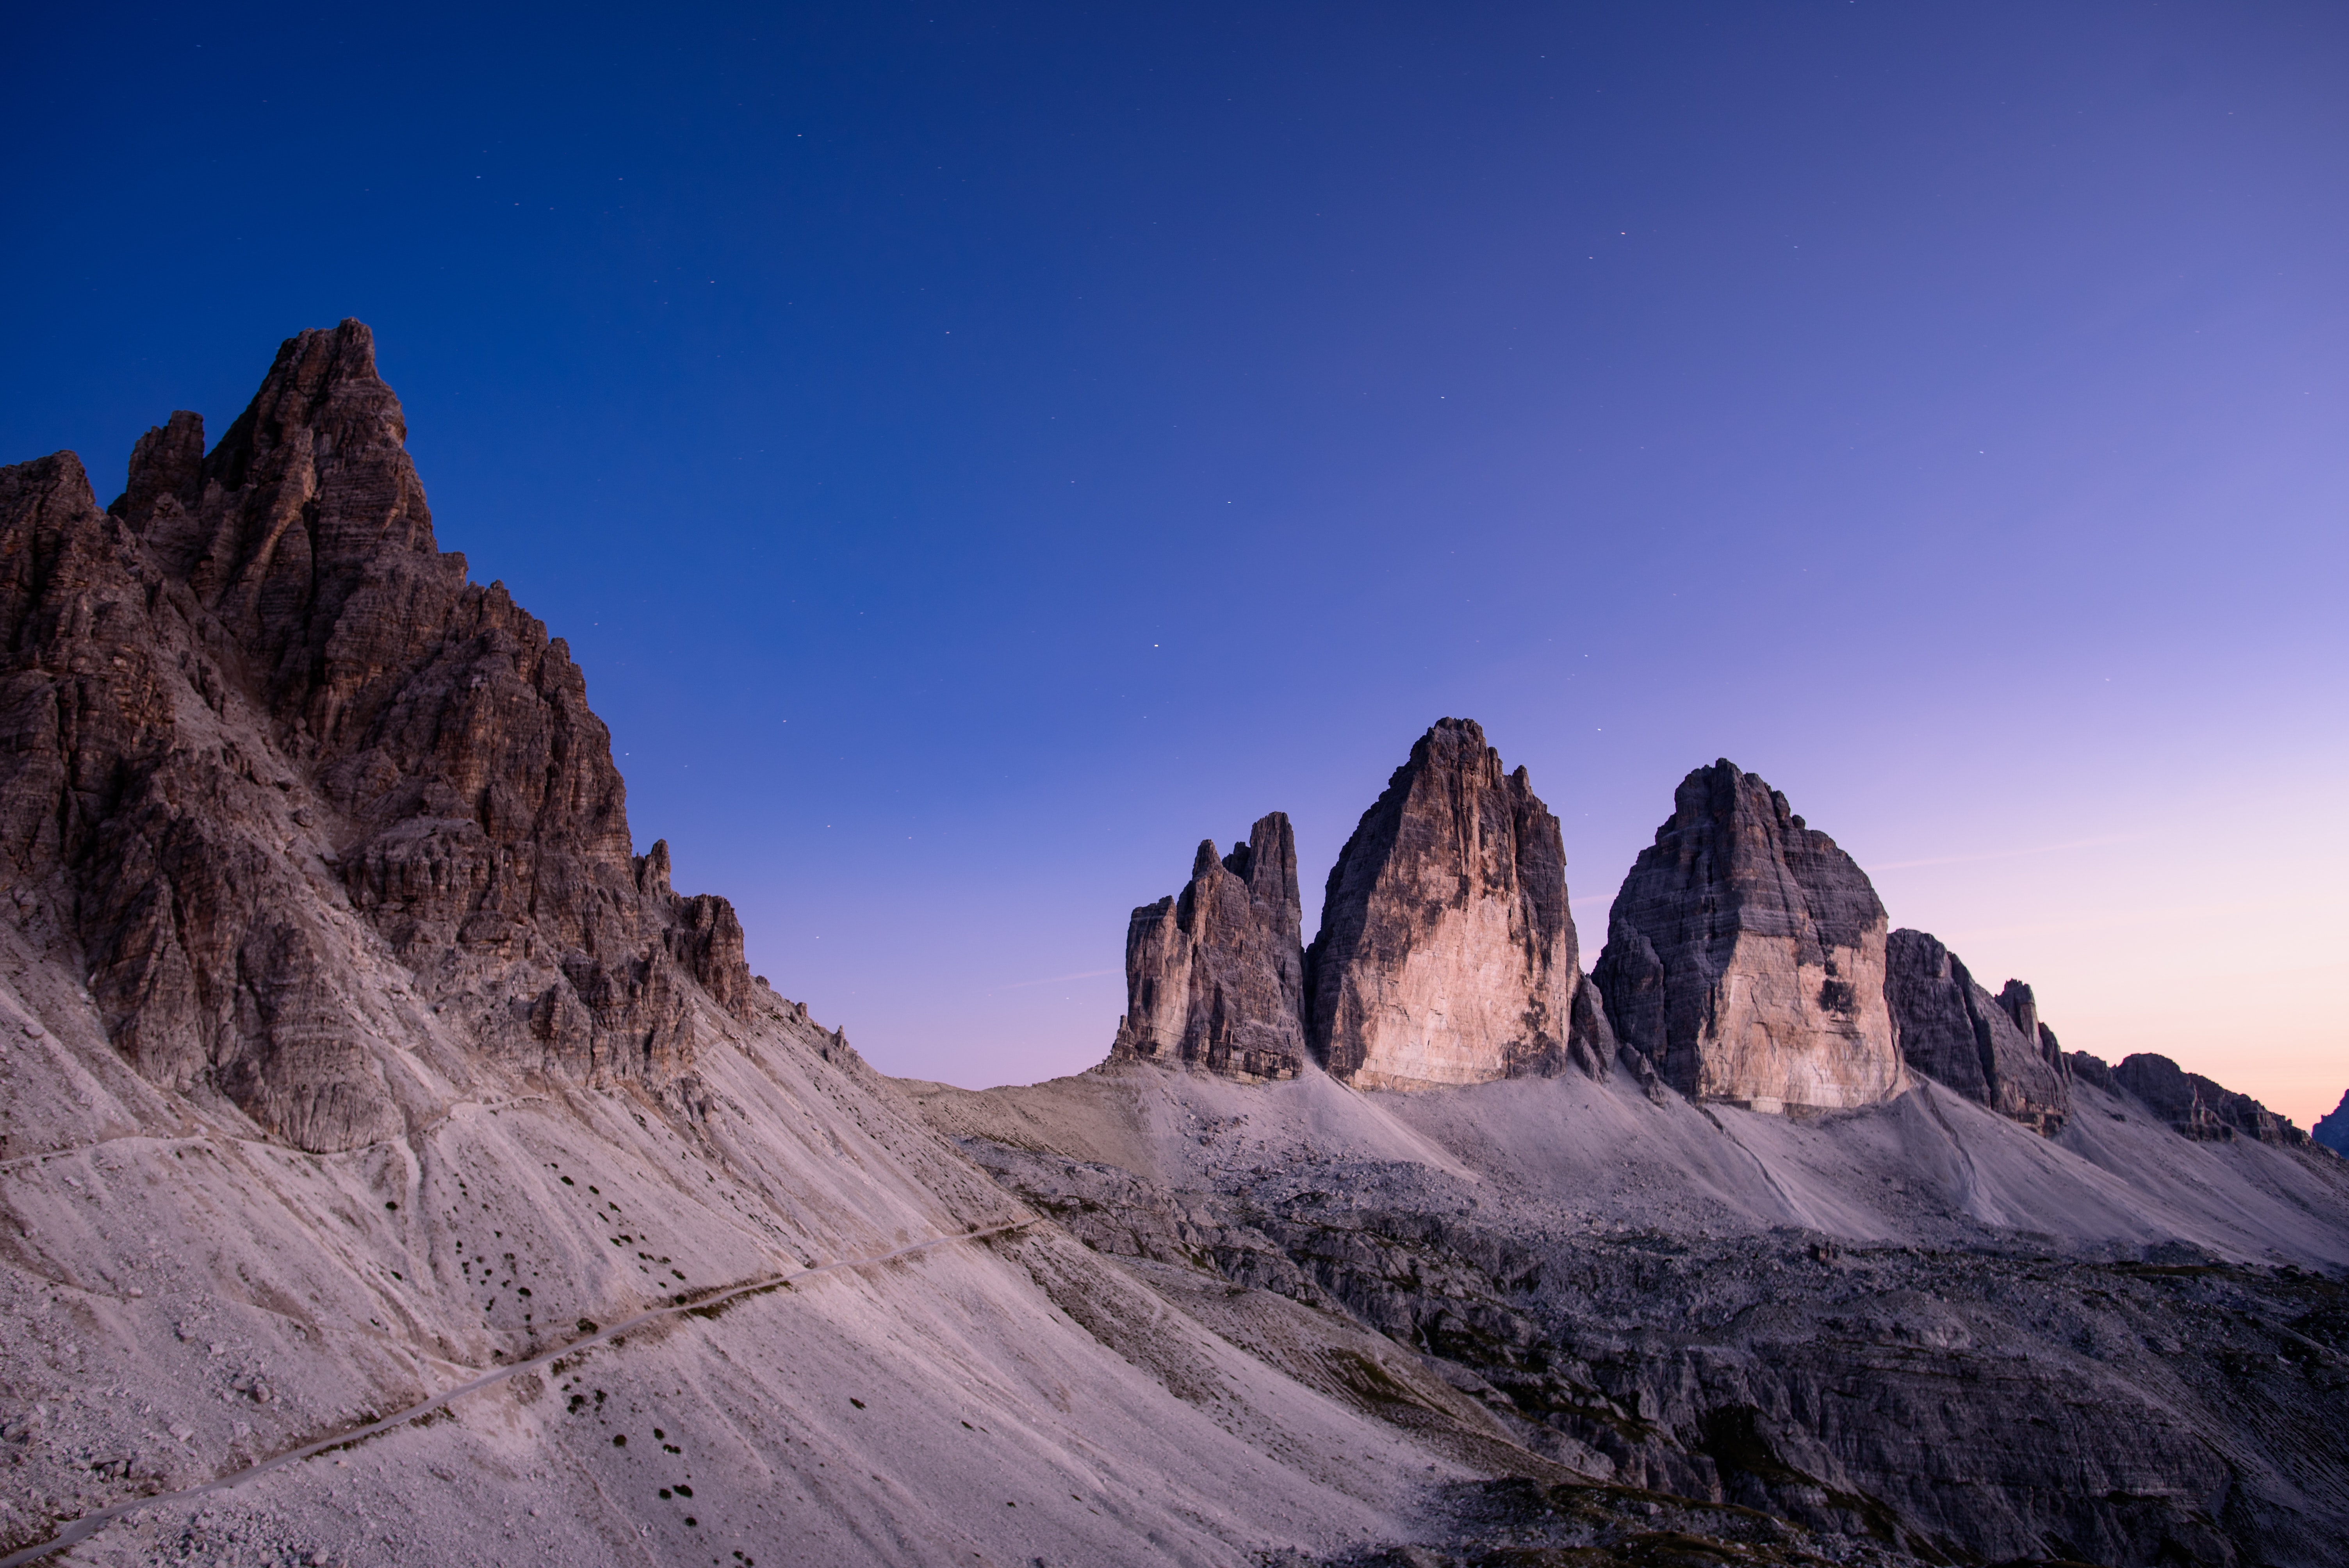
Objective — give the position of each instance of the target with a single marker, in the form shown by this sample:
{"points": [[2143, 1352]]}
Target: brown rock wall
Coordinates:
{"points": [[253, 700], [2199, 1107]]}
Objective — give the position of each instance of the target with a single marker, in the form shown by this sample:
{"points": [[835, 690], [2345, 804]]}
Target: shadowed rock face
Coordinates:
{"points": [[1986, 1048], [1746, 955], [1214, 976], [2202, 1109], [2015, 999], [1446, 953], [254, 681], [2332, 1131]]}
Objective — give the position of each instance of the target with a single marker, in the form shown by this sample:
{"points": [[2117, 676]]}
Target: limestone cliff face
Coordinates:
{"points": [[1446, 954], [1746, 955], [1986, 1048], [251, 701], [1214, 976]]}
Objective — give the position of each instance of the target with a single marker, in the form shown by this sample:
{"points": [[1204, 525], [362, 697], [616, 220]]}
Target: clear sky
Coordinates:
{"points": [[977, 451]]}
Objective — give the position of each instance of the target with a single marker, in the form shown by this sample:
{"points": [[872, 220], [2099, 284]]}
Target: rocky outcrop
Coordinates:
{"points": [[2194, 1105], [1214, 976], [251, 701], [1746, 955], [1986, 1048], [2016, 1000], [2332, 1129], [1446, 953]]}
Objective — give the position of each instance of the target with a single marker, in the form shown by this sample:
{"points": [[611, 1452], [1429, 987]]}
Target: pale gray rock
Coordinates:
{"points": [[1447, 953], [1746, 955], [1214, 976], [306, 839], [1986, 1048], [1277, 1322]]}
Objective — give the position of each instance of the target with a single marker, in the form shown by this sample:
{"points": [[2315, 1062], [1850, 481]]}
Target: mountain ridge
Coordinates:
{"points": [[350, 1054]]}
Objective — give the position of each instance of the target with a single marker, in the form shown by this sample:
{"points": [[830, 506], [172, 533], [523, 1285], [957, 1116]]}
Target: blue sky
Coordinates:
{"points": [[976, 453]]}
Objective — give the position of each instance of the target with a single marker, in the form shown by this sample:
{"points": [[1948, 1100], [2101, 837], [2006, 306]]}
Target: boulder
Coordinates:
{"points": [[1214, 976], [1446, 953], [1746, 955], [1985, 1047]]}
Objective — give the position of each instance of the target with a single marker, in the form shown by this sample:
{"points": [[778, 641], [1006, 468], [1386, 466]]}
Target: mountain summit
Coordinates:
{"points": [[254, 705], [1746, 955], [1447, 953]]}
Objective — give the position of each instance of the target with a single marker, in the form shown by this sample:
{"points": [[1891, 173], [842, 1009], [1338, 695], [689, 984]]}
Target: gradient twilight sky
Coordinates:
{"points": [[977, 451]]}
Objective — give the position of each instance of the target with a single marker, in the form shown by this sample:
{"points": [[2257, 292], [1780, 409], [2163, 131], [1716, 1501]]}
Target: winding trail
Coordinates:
{"points": [[89, 1524]]}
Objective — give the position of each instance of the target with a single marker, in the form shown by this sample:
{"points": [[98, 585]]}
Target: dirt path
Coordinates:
{"points": [[89, 1524]]}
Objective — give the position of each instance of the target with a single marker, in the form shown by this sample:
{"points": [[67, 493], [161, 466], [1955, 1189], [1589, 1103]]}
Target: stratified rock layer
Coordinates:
{"points": [[1986, 1048], [253, 698], [1214, 976], [1746, 955], [1446, 953]]}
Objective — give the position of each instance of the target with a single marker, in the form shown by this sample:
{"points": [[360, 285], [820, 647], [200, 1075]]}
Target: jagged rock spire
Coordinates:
{"points": [[256, 703], [1987, 1047], [1214, 976], [1446, 953]]}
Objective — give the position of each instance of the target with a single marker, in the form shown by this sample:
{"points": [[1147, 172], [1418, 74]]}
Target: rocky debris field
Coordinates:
{"points": [[1519, 1523], [1945, 1387]]}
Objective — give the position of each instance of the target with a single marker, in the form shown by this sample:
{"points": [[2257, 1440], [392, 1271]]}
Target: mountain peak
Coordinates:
{"points": [[324, 752], [1447, 952], [1214, 974], [1745, 954]]}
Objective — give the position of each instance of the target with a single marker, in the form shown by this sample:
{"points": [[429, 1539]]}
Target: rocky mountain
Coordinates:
{"points": [[1986, 1048], [397, 1170], [1746, 955], [1446, 953], [1917, 1323], [367, 1100], [2022, 1006], [1214, 976], [2192, 1104], [251, 704], [2332, 1129]]}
